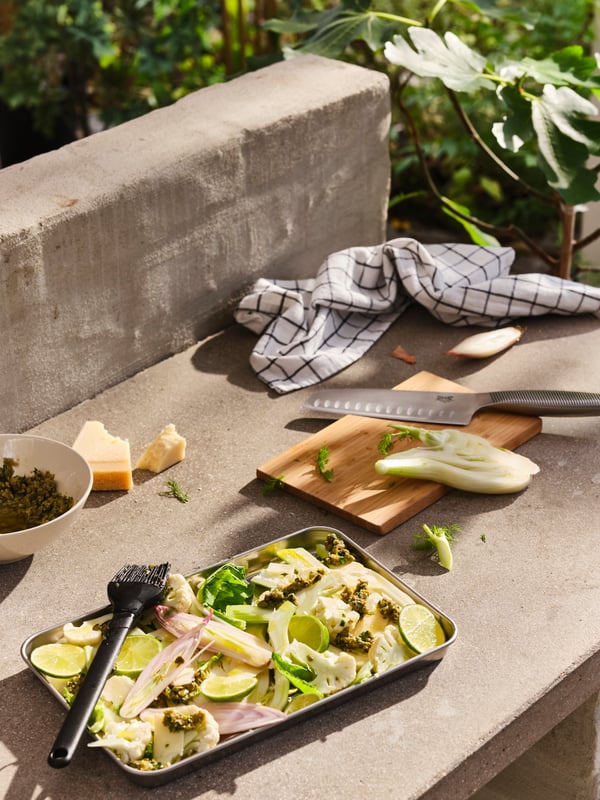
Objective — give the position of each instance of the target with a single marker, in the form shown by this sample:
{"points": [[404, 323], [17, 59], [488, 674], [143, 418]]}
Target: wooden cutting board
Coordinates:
{"points": [[379, 503]]}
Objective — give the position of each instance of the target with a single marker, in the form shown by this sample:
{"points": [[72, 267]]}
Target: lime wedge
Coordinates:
{"points": [[228, 687], [419, 628], [309, 630], [137, 651], [300, 701], [59, 659]]}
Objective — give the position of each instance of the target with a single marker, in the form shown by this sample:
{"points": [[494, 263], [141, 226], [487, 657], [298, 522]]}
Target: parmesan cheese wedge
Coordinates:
{"points": [[108, 456], [167, 449]]}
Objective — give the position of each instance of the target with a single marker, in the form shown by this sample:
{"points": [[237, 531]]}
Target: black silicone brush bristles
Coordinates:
{"points": [[156, 575]]}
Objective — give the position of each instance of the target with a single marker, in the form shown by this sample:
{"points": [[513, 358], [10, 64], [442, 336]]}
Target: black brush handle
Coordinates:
{"points": [[78, 716]]}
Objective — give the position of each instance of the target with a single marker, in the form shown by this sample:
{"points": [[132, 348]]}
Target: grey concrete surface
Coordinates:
{"points": [[563, 765], [128, 246], [525, 600]]}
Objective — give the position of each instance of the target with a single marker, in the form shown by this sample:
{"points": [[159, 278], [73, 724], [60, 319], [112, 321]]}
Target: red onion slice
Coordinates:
{"points": [[217, 636], [162, 670], [239, 717]]}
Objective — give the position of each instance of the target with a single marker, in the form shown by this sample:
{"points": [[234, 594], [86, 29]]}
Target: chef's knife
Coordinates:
{"points": [[449, 408]]}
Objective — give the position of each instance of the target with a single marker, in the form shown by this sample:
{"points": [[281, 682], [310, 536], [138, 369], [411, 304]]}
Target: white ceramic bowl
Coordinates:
{"points": [[73, 477]]}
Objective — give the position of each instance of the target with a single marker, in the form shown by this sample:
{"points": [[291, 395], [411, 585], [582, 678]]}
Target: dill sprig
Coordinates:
{"points": [[273, 483], [322, 461], [175, 490]]}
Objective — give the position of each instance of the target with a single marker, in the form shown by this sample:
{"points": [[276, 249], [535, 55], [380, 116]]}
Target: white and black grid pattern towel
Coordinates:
{"points": [[310, 329]]}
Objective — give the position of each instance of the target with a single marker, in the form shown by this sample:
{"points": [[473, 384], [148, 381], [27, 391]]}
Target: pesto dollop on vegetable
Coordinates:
{"points": [[28, 500]]}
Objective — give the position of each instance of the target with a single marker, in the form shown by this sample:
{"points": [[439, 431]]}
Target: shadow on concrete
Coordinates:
{"points": [[32, 717], [237, 342], [13, 576], [421, 334]]}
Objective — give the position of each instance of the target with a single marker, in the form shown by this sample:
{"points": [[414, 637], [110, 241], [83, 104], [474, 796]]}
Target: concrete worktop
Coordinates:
{"points": [[525, 596]]}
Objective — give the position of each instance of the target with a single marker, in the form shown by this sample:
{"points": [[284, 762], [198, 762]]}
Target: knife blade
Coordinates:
{"points": [[449, 408]]}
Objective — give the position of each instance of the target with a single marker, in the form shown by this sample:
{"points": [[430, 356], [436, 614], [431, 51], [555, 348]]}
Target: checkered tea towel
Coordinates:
{"points": [[310, 329]]}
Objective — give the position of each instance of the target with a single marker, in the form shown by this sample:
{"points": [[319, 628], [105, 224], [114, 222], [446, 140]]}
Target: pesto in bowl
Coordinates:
{"points": [[21, 454], [28, 500]]}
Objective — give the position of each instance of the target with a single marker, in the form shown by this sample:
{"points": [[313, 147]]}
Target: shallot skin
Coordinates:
{"points": [[403, 355], [488, 343]]}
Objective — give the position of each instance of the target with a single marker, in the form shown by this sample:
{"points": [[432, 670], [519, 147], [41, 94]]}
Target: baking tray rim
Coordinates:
{"points": [[305, 537]]}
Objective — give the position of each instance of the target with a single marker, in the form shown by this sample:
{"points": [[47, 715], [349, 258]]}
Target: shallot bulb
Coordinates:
{"points": [[489, 343]]}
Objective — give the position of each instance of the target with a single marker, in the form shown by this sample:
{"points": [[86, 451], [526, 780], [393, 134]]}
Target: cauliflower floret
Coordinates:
{"points": [[128, 740], [388, 650], [179, 595], [335, 614], [332, 671], [87, 633], [202, 737]]}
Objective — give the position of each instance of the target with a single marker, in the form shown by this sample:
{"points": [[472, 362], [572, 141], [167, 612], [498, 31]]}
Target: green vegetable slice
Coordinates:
{"points": [[419, 628], [439, 537], [310, 630], [137, 651], [227, 585], [297, 675], [458, 459], [300, 701], [59, 659], [228, 687]]}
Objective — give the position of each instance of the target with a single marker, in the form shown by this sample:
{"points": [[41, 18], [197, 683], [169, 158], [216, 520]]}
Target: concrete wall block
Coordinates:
{"points": [[563, 765], [128, 246]]}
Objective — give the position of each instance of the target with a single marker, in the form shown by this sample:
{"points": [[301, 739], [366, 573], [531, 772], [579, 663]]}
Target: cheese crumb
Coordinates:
{"points": [[167, 449], [108, 456]]}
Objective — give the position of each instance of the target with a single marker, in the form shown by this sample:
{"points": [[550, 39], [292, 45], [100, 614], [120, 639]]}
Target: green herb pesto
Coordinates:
{"points": [[28, 500]]}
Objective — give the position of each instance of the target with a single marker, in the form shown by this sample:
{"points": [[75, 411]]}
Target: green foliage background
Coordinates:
{"points": [[117, 59], [459, 168]]}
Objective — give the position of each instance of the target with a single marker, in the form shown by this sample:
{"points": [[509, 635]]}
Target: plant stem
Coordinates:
{"points": [[241, 25], [567, 221], [587, 240], [395, 18], [476, 138], [227, 46], [435, 11]]}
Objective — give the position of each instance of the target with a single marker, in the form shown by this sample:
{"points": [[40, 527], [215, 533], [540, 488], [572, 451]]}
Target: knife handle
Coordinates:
{"points": [[546, 402]]}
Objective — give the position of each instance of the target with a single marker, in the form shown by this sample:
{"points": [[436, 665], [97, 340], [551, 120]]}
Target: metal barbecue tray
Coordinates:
{"points": [[254, 560]]}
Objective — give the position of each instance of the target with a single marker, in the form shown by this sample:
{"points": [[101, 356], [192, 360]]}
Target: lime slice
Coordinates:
{"points": [[137, 651], [59, 659], [419, 628], [300, 701], [309, 630], [228, 687]]}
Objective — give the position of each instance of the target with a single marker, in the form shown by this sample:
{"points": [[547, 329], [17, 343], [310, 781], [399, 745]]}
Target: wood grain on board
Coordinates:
{"points": [[357, 493]]}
